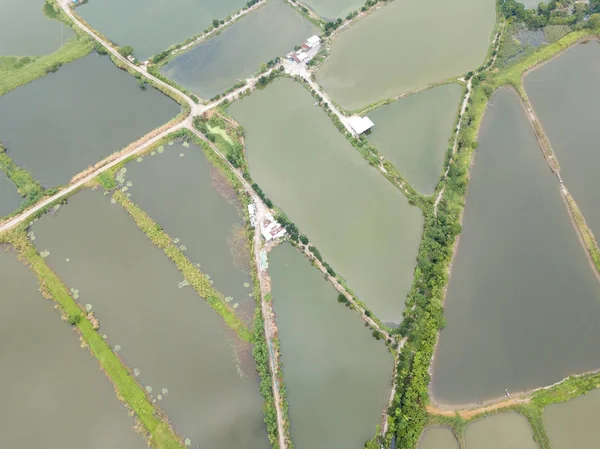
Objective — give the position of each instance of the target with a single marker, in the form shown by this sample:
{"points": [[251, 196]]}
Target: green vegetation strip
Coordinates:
{"points": [[198, 280], [585, 231], [127, 389]]}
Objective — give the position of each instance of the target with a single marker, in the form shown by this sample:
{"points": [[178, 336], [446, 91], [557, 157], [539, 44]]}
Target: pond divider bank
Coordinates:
{"points": [[161, 435]]}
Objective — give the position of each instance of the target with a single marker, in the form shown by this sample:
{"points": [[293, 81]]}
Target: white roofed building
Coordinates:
{"points": [[313, 41], [360, 124]]}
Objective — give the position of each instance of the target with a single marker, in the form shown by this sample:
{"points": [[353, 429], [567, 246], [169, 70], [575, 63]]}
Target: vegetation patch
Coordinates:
{"points": [[161, 435]]}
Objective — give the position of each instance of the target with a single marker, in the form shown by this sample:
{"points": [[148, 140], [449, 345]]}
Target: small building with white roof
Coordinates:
{"points": [[360, 124], [313, 41], [270, 229]]}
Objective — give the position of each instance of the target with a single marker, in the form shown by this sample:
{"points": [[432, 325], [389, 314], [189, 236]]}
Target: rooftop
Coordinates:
{"points": [[360, 124]]}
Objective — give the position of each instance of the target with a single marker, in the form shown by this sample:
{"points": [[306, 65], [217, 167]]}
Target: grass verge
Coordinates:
{"points": [[161, 435]]}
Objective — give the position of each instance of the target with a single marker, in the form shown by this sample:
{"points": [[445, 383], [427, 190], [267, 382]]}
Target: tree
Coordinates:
{"points": [[216, 23], [125, 51]]}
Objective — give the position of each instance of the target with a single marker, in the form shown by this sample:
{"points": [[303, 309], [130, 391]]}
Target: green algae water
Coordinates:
{"points": [[523, 304], [56, 395], [406, 45], [10, 199], [178, 348], [565, 97], [237, 52], [195, 204], [501, 431], [26, 30], [412, 133], [80, 115], [574, 424], [362, 225], [151, 26], [337, 376], [438, 438]]}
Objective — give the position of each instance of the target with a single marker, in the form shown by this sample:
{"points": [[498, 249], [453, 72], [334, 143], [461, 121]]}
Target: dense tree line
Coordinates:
{"points": [[555, 12]]}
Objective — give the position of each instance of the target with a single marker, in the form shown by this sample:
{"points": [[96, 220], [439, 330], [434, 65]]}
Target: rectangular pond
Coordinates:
{"points": [[412, 133], [406, 45], [362, 225], [332, 9], [337, 376], [10, 199], [56, 395], [574, 424], [501, 431], [237, 52], [60, 124], [438, 438], [195, 204], [195, 369], [523, 303], [566, 99], [27, 28], [151, 26]]}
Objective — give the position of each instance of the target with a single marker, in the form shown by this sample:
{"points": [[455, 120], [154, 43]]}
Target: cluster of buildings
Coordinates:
{"points": [[269, 228], [307, 51]]}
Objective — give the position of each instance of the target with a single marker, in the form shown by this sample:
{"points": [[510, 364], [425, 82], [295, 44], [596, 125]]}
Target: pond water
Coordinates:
{"points": [[362, 225], [194, 203], [331, 366], [9, 196], [406, 45], [438, 438], [26, 30], [501, 431], [574, 424], [412, 133], [81, 114], [523, 304], [565, 97], [56, 395], [332, 9], [152, 26], [199, 373], [217, 64]]}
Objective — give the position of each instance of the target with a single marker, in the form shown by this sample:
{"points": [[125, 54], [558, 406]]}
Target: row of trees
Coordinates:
{"points": [[555, 12]]}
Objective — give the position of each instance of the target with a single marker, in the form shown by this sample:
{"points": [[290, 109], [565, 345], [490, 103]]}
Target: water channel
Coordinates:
{"points": [[362, 225], [438, 438], [523, 304], [412, 133], [238, 51], [501, 431], [332, 9], [27, 30], [151, 26], [81, 114], [55, 394], [200, 374], [565, 97], [337, 376], [10, 199], [574, 424], [406, 45], [195, 204]]}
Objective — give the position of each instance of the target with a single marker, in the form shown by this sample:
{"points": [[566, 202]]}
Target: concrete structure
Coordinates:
{"points": [[252, 213], [312, 41], [270, 229], [360, 124]]}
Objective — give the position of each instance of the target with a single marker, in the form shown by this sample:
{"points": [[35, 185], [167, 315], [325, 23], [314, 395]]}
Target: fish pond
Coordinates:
{"points": [[195, 204], [10, 199], [362, 225], [235, 54], [152, 26], [330, 366], [438, 438], [574, 424], [501, 431], [60, 124], [50, 379], [412, 133], [195, 369], [565, 97], [523, 303], [332, 9], [27, 28], [406, 45]]}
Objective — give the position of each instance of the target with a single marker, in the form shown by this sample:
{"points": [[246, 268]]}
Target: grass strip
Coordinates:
{"points": [[198, 280], [17, 71], [585, 231], [27, 187], [161, 435]]}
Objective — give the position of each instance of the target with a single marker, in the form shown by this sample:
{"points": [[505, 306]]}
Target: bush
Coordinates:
{"points": [[74, 319]]}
